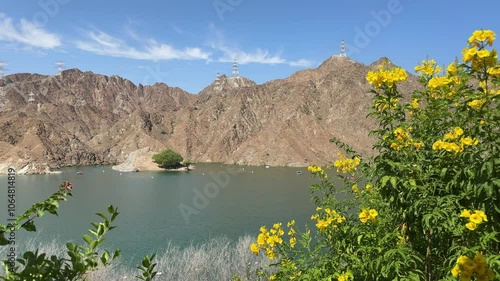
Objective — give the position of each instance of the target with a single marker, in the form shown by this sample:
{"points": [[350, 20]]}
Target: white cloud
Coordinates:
{"points": [[301, 62], [104, 44], [261, 56], [27, 33]]}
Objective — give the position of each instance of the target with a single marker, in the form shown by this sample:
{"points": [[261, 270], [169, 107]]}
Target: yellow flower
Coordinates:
{"points": [[465, 213], [468, 141], [476, 104], [482, 35], [272, 277], [475, 218], [481, 214], [455, 271], [437, 82], [344, 277], [322, 225], [293, 241], [418, 145], [471, 225], [364, 216], [483, 53], [494, 71], [465, 276], [386, 77], [346, 165], [355, 188], [368, 186], [373, 213], [395, 146], [414, 103], [291, 223], [462, 260], [261, 239], [468, 54], [479, 259], [452, 69], [458, 131], [254, 248], [427, 67]]}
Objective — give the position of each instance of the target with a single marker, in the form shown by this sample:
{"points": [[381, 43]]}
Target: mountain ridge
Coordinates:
{"points": [[82, 118]]}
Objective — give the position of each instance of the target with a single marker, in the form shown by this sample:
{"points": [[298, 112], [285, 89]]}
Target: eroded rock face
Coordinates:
{"points": [[81, 118]]}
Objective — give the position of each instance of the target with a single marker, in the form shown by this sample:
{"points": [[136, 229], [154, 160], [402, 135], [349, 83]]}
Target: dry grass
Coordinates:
{"points": [[217, 259]]}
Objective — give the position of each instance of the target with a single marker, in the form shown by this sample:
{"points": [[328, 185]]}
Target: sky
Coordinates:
{"points": [[186, 43]]}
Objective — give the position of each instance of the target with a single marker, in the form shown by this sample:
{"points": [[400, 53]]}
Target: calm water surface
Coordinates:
{"points": [[223, 200]]}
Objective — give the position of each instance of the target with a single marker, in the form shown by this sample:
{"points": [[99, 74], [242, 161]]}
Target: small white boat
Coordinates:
{"points": [[299, 172]]}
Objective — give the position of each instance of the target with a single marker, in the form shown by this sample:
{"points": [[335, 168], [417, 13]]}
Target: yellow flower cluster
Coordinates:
{"points": [[268, 241], [494, 71], [331, 216], [386, 77], [291, 233], [368, 215], [476, 52], [438, 81], [314, 169], [479, 36], [414, 104], [346, 165], [345, 276], [466, 268], [403, 139], [454, 141], [452, 69], [427, 67], [475, 218], [476, 104]]}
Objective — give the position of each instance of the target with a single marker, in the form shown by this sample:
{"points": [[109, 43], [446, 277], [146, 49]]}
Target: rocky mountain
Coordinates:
{"points": [[82, 118]]}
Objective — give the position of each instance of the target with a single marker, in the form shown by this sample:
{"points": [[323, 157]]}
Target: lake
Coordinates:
{"points": [[160, 207]]}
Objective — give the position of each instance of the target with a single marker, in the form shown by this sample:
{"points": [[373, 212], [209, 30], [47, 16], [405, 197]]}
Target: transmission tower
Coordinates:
{"points": [[342, 50], [217, 82], [60, 66], [235, 69]]}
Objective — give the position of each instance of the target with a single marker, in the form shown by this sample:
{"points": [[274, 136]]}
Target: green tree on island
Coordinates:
{"points": [[168, 159]]}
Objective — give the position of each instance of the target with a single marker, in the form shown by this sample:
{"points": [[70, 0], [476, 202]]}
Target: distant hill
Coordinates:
{"points": [[82, 118]]}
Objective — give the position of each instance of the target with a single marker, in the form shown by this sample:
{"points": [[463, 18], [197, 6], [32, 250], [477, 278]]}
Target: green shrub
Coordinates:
{"points": [[168, 159], [426, 207]]}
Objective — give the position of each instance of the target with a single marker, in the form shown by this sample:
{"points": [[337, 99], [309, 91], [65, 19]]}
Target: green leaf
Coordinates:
{"points": [[384, 180], [87, 239], [3, 241], [394, 181], [29, 226], [102, 216]]}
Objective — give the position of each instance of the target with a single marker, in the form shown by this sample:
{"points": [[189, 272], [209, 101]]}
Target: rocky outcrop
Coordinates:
{"points": [[82, 118], [138, 160]]}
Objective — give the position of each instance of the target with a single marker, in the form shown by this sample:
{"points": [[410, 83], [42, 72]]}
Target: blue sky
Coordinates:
{"points": [[185, 43]]}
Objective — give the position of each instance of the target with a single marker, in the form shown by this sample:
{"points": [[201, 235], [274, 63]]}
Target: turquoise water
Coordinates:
{"points": [[159, 207]]}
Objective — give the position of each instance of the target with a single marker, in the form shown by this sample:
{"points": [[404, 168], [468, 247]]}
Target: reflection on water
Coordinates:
{"points": [[156, 207]]}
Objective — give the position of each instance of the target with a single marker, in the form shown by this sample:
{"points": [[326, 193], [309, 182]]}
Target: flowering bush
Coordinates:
{"points": [[427, 206]]}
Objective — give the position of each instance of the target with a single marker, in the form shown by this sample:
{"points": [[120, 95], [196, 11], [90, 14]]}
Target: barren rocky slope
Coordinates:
{"points": [[81, 118]]}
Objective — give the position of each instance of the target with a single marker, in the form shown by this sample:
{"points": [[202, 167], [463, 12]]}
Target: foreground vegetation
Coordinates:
{"points": [[427, 206], [217, 259]]}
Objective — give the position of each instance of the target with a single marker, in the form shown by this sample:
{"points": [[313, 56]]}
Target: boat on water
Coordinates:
{"points": [[79, 173], [299, 173]]}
